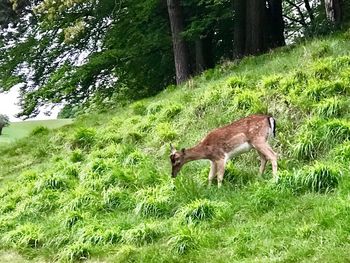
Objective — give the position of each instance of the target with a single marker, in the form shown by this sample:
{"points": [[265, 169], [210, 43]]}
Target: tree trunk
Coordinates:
{"points": [[275, 24], [181, 56], [0, 131], [239, 36], [255, 27], [204, 53], [333, 11]]}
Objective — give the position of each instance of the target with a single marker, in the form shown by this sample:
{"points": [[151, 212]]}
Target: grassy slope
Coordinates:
{"points": [[18, 130], [100, 188]]}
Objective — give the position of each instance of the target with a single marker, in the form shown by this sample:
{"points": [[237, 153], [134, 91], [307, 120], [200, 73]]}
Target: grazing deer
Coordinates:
{"points": [[225, 142]]}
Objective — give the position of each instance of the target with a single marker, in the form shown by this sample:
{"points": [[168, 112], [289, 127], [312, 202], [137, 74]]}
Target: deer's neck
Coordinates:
{"points": [[195, 153]]}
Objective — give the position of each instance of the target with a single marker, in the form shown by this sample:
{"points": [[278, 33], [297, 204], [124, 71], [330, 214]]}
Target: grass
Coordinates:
{"points": [[100, 189], [18, 130]]}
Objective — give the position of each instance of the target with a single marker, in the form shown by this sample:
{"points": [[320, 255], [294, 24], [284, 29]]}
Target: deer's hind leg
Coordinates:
{"points": [[263, 162], [264, 149], [213, 172]]}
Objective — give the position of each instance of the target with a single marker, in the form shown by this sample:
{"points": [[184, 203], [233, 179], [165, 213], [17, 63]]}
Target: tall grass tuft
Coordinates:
{"points": [[153, 201], [200, 210], [141, 234], [184, 241], [83, 138], [321, 178]]}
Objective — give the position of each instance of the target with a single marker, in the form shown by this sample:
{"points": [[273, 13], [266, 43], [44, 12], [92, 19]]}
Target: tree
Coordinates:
{"points": [[181, 55], [4, 121], [334, 11], [258, 26]]}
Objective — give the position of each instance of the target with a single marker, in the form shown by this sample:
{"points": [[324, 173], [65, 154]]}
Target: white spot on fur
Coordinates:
{"points": [[244, 147]]}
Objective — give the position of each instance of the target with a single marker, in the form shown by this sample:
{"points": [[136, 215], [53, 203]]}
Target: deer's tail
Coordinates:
{"points": [[272, 123]]}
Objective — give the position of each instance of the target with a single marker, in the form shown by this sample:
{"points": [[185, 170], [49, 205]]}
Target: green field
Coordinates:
{"points": [[100, 188], [18, 130]]}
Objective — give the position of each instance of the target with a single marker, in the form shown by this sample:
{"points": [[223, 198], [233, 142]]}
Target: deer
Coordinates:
{"points": [[221, 144]]}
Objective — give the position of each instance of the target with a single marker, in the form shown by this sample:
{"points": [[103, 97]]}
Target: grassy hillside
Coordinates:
{"points": [[22, 129], [100, 188]]}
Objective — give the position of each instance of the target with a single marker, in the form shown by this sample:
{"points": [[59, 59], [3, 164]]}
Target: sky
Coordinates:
{"points": [[9, 106]]}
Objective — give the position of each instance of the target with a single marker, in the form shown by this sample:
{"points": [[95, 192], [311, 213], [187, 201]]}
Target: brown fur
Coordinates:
{"points": [[252, 131]]}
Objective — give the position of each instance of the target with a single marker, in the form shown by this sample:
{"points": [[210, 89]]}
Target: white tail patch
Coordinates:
{"points": [[272, 127]]}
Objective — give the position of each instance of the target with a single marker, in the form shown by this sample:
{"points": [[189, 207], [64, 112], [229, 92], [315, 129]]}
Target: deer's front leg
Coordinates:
{"points": [[212, 173], [221, 170]]}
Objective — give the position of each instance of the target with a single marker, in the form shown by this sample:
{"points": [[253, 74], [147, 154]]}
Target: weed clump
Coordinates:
{"points": [[166, 132], [152, 201], [200, 210], [183, 242], [26, 235], [141, 234], [83, 138], [319, 178], [75, 252], [40, 130]]}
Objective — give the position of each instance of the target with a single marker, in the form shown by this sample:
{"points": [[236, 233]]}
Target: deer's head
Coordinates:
{"points": [[177, 159]]}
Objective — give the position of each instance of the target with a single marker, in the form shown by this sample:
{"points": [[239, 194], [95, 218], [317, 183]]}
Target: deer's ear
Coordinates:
{"points": [[172, 149]]}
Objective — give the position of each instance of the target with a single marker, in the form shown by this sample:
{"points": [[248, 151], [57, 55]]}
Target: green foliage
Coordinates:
{"points": [[102, 185], [40, 130], [184, 241], [141, 234], [83, 138], [166, 132], [4, 120]]}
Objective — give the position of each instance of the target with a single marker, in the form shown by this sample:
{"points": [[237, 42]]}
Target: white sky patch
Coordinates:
{"points": [[9, 106]]}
